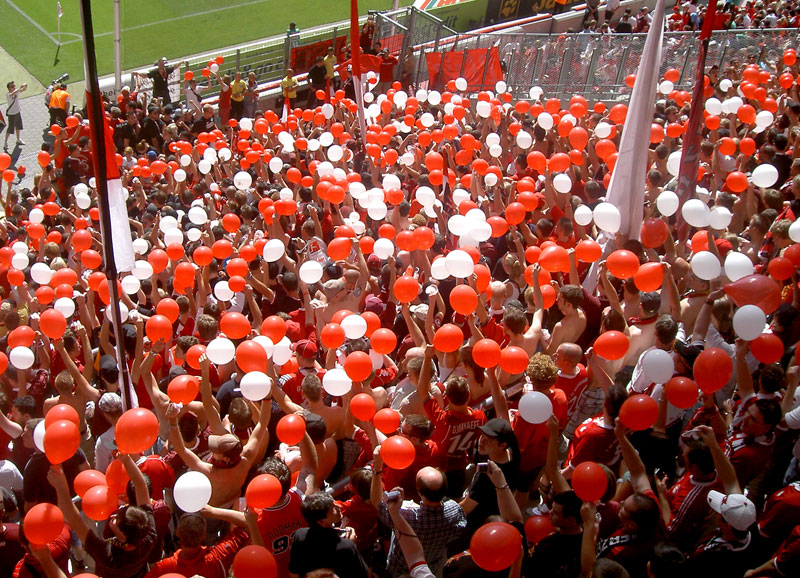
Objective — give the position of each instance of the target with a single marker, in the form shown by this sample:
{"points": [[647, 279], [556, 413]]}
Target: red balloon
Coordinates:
{"points": [[448, 338], [183, 389], [757, 290], [736, 182], [263, 491], [638, 412], [91, 259], [88, 479], [231, 223], [61, 440], [273, 327], [339, 248], [398, 452], [222, 249], [136, 431], [254, 562], [358, 366], [158, 259], [383, 340], [463, 299], [81, 240], [589, 481], [622, 264], [654, 233], [291, 429], [495, 546], [362, 406], [681, 392], [554, 258], [194, 354], [712, 369], [767, 348], [59, 412], [513, 360], [43, 523], [649, 277], [251, 356], [515, 213], [538, 528], [406, 289], [332, 335], [158, 327], [203, 256], [386, 421], [53, 323], [22, 336], [169, 309], [780, 268], [117, 477], [99, 502], [588, 251], [234, 325], [486, 353], [611, 345]]}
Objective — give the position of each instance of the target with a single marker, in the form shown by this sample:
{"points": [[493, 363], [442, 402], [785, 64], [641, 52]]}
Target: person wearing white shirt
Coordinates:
{"points": [[13, 112]]}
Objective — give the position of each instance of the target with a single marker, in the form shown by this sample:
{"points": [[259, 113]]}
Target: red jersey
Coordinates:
{"points": [[534, 437], [594, 441], [572, 386], [749, 455], [454, 434], [362, 516], [209, 561], [292, 384], [277, 525], [160, 474], [689, 509], [781, 512], [787, 558]]}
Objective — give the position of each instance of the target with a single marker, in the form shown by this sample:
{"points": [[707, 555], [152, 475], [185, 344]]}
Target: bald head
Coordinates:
{"points": [[570, 351], [431, 484]]}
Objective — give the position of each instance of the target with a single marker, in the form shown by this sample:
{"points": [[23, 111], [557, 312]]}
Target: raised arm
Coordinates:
{"points": [[210, 403], [634, 463], [560, 483], [506, 503], [725, 469], [176, 441], [137, 477], [424, 383], [72, 516]]}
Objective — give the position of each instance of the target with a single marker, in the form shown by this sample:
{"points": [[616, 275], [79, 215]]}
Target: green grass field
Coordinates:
{"points": [[152, 28]]}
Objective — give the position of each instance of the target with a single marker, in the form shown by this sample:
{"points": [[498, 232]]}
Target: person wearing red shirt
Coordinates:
{"points": [[594, 439], [306, 354], [455, 424], [572, 376], [781, 513], [194, 559], [751, 447], [417, 429]]}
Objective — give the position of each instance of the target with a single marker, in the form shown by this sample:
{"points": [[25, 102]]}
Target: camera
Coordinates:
{"points": [[483, 467], [63, 78], [391, 496]]}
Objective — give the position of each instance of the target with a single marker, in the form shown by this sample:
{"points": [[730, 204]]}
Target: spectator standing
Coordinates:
{"points": [[388, 62], [59, 105], [160, 78], [238, 89], [317, 75], [409, 66], [251, 96], [330, 70], [13, 113], [225, 100]]}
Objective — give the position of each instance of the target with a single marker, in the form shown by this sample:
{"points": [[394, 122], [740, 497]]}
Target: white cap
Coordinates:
{"points": [[735, 509]]}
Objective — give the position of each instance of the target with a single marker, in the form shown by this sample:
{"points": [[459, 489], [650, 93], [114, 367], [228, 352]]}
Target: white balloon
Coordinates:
{"points": [[242, 180], [213, 67], [606, 217], [335, 153], [41, 273], [224, 154], [204, 166], [483, 109], [602, 130], [434, 98], [562, 183], [192, 491], [142, 269], [20, 261], [131, 285], [749, 322], [480, 231], [459, 196], [327, 110], [38, 436], [376, 358], [81, 189], [140, 246], [725, 85], [535, 407], [666, 87], [696, 213], [658, 366], [764, 176], [490, 179], [185, 160], [273, 250], [459, 264], [794, 231], [123, 312], [282, 351], [167, 223], [286, 139], [223, 291], [706, 265], [246, 124], [720, 218], [425, 196], [220, 350], [210, 154], [492, 139], [275, 165], [82, 200], [354, 326], [383, 248], [461, 83], [738, 265], [310, 272], [427, 120], [713, 106], [495, 150], [266, 343], [674, 163], [36, 216], [198, 216], [313, 144], [179, 175], [377, 211], [583, 215], [65, 305], [439, 269], [255, 385], [764, 118], [336, 382], [173, 236], [524, 139], [19, 247], [500, 87], [21, 357], [544, 120], [194, 234], [667, 203]]}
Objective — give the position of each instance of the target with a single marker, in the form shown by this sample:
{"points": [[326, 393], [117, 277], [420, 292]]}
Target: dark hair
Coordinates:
{"points": [[771, 378], [667, 561], [130, 489], [572, 294], [312, 387], [666, 328], [316, 506], [650, 301], [457, 390], [771, 411], [616, 395], [191, 530], [645, 514], [361, 482], [699, 455], [134, 523], [421, 426], [514, 320], [25, 404], [571, 505], [605, 568]]}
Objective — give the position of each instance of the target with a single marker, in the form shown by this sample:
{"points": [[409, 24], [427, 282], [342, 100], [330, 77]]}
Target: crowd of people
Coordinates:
{"points": [[423, 350]]}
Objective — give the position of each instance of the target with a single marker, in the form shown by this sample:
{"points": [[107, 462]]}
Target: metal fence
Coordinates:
{"points": [[594, 65]]}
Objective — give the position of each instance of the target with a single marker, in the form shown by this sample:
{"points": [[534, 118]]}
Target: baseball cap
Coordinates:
{"points": [[498, 428], [420, 311], [224, 443], [305, 348], [332, 287], [735, 509], [110, 402]]}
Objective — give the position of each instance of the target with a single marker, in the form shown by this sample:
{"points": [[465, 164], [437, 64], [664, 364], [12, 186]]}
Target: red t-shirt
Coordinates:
{"points": [[594, 442], [160, 474], [572, 386], [454, 434], [278, 523], [781, 512], [787, 558], [209, 562], [533, 437], [292, 385], [363, 518], [689, 508], [748, 455]]}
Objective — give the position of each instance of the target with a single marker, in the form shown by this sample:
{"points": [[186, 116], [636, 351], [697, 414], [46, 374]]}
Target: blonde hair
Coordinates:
{"points": [[542, 370]]}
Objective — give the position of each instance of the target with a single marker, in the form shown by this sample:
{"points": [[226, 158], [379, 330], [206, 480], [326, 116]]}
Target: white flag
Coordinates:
{"points": [[60, 11]]}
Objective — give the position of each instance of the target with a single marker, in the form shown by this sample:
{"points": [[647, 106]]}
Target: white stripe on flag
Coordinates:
{"points": [[120, 227]]}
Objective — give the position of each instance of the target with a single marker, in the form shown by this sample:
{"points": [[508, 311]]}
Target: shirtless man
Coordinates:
{"points": [[347, 292], [643, 326], [230, 462], [572, 326], [312, 392], [73, 388]]}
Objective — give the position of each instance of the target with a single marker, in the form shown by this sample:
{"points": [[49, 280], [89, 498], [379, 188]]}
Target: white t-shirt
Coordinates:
{"points": [[13, 103], [10, 478]]}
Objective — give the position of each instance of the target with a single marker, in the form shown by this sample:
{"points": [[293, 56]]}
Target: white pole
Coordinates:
{"points": [[58, 27], [117, 48]]}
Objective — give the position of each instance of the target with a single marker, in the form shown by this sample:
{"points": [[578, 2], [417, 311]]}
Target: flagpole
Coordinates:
{"points": [[355, 61], [99, 154]]}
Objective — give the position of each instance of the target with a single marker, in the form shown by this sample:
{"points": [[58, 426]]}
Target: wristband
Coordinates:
{"points": [[505, 487]]}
